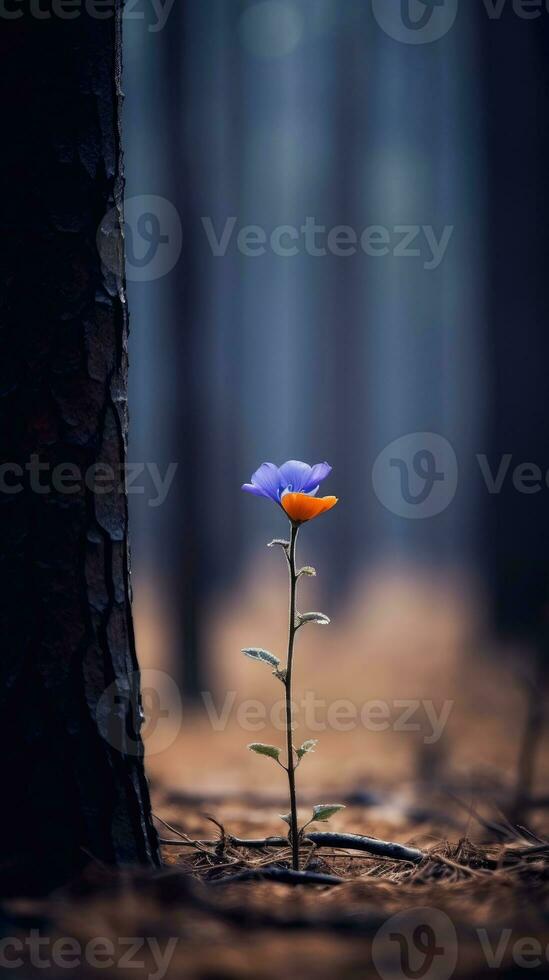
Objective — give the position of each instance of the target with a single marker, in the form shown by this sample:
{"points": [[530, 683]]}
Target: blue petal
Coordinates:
{"points": [[319, 472], [249, 488], [266, 481], [293, 476], [296, 476]]}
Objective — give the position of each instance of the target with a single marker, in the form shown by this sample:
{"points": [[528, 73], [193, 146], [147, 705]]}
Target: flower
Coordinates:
{"points": [[293, 486], [301, 507]]}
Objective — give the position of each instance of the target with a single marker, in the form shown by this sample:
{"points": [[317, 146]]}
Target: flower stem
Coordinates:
{"points": [[292, 627]]}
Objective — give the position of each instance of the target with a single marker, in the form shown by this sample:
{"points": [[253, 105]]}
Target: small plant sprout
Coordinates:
{"points": [[293, 487]]}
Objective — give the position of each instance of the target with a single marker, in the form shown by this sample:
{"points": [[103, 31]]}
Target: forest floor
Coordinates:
{"points": [[477, 905]]}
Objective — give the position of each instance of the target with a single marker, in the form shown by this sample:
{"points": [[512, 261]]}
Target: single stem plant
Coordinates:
{"points": [[293, 486]]}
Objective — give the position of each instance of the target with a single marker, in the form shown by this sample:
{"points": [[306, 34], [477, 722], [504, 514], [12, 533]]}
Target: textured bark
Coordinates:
{"points": [[73, 759]]}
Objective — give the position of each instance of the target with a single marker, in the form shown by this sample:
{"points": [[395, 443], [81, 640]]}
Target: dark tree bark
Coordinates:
{"points": [[70, 712], [517, 523], [517, 146]]}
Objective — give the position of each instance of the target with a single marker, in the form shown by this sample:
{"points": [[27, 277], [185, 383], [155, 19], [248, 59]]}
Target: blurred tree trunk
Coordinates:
{"points": [[517, 517], [70, 710], [517, 138]]}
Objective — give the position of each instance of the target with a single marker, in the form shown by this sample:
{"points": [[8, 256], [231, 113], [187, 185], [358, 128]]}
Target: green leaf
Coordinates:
{"points": [[308, 746], [323, 811], [313, 617], [256, 653], [280, 542], [260, 749], [307, 570], [286, 817]]}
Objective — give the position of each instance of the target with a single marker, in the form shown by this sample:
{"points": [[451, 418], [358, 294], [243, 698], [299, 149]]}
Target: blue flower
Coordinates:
{"points": [[293, 485], [292, 477]]}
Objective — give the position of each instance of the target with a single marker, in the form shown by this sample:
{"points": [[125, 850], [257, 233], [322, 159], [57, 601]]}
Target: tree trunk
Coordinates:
{"points": [[70, 710], [516, 518]]}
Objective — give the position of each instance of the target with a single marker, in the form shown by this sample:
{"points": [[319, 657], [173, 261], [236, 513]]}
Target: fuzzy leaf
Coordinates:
{"points": [[286, 817], [308, 746], [323, 811], [307, 570], [313, 617], [269, 750], [280, 542], [256, 653]]}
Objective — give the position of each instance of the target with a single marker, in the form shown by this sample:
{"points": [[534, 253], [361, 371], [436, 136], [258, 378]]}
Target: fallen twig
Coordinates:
{"points": [[356, 842], [379, 848], [185, 840]]}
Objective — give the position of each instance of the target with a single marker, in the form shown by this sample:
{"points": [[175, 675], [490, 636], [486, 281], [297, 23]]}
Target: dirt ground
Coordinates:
{"points": [[476, 905]]}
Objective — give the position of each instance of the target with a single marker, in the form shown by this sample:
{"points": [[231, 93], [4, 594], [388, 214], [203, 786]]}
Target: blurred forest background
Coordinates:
{"points": [[270, 112]]}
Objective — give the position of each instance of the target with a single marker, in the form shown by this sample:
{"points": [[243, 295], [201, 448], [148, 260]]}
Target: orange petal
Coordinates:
{"points": [[301, 507]]}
